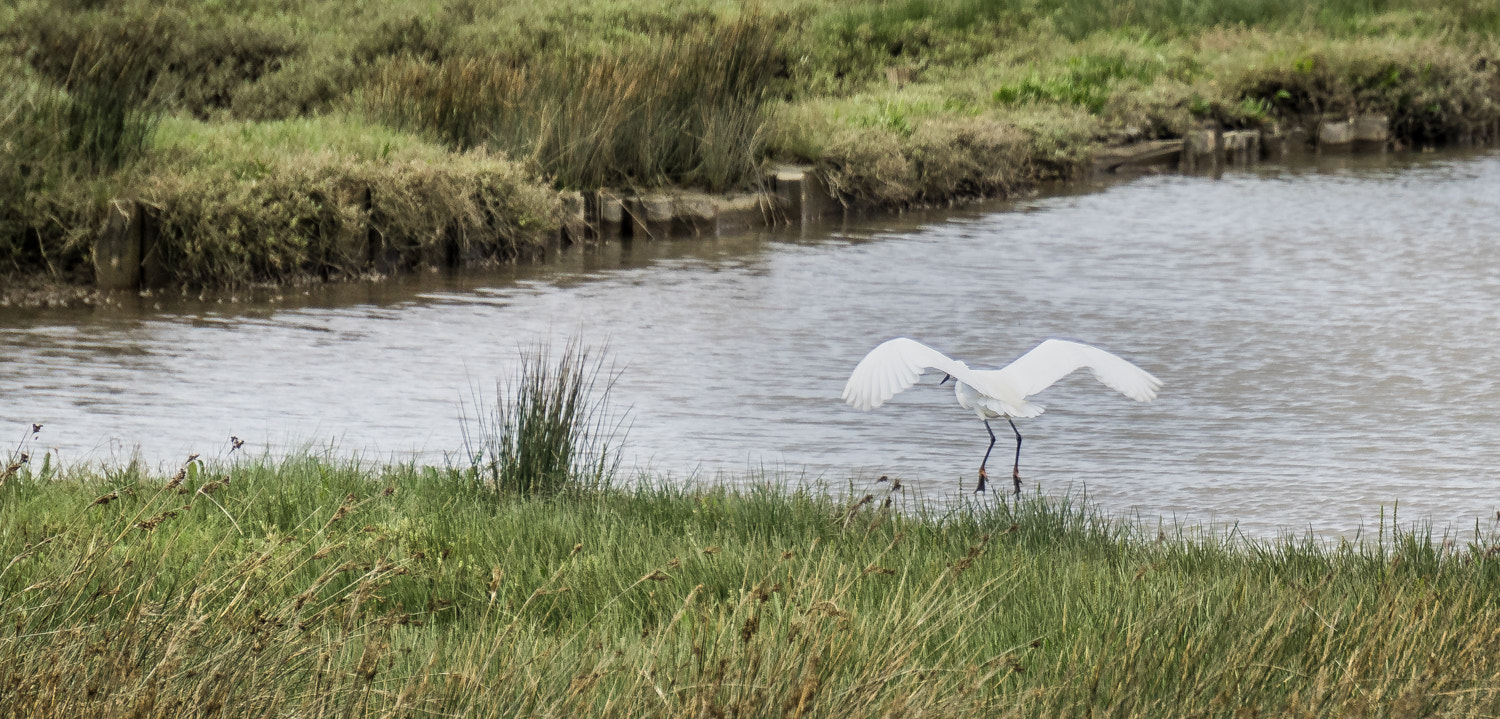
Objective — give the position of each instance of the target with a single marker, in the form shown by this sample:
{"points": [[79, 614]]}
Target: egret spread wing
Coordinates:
{"points": [[1053, 360], [895, 366]]}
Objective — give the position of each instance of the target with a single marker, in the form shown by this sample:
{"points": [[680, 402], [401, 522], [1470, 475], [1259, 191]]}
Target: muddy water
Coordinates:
{"points": [[1329, 338]]}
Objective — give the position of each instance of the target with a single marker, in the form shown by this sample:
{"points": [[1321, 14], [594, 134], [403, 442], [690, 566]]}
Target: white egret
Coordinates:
{"points": [[896, 365]]}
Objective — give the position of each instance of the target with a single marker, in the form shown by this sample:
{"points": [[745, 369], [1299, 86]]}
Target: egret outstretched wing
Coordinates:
{"points": [[894, 366], [897, 365], [1053, 360]]}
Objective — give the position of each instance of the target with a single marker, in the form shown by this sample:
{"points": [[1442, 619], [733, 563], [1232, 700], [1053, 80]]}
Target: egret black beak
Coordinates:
{"points": [[945, 379]]}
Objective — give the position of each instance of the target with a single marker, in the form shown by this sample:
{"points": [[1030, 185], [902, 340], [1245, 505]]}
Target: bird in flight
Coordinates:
{"points": [[896, 365]]}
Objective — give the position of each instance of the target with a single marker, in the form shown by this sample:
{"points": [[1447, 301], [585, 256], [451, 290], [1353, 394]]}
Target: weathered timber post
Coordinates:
{"points": [[695, 214], [1335, 136], [740, 212], [117, 250], [1273, 143], [1201, 151], [1139, 156], [379, 259], [650, 216], [1241, 147], [574, 228], [153, 249], [612, 223], [1372, 133], [802, 195], [1299, 140]]}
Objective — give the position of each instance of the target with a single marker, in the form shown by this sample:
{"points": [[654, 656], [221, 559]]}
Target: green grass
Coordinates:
{"points": [[897, 102], [312, 586]]}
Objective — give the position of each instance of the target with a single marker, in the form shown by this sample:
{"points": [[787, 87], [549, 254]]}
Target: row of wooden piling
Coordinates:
{"points": [[127, 256], [127, 252], [1212, 148], [793, 196]]}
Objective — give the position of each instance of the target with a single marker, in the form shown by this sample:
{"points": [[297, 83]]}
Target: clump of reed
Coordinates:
{"points": [[50, 144], [686, 108], [170, 54], [108, 67], [550, 428], [82, 109]]}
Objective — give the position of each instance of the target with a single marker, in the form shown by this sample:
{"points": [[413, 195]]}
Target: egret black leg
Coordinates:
{"points": [[1015, 473], [982, 475]]}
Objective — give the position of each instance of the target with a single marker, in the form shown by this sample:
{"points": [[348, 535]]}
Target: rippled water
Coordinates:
{"points": [[1329, 339]]}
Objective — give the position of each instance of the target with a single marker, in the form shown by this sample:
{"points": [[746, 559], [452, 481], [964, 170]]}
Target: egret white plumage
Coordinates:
{"points": [[897, 364]]}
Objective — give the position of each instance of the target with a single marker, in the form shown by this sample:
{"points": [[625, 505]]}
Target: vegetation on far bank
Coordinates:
{"points": [[264, 136]]}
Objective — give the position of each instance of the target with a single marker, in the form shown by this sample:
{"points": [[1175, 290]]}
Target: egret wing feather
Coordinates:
{"points": [[1054, 359], [893, 367]]}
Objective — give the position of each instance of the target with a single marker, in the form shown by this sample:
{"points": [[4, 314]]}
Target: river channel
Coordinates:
{"points": [[1328, 335]]}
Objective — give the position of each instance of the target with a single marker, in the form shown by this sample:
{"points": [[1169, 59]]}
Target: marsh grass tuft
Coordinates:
{"points": [[109, 67], [550, 429], [686, 108]]}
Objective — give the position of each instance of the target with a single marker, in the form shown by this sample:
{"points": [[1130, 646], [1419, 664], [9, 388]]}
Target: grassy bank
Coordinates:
{"points": [[313, 586], [255, 130]]}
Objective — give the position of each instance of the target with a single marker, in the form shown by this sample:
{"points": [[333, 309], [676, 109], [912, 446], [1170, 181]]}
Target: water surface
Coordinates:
{"points": [[1328, 337]]}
